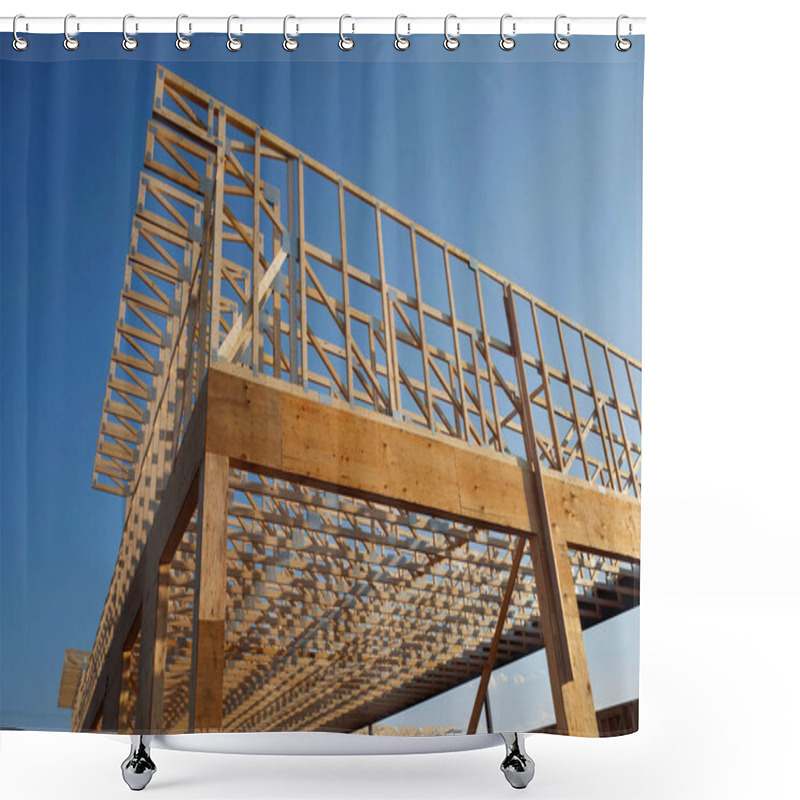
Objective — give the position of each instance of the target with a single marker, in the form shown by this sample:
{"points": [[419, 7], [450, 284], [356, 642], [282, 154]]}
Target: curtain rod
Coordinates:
{"points": [[189, 24]]}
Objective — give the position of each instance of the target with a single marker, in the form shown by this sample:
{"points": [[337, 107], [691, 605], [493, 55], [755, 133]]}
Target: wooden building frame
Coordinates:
{"points": [[351, 482]]}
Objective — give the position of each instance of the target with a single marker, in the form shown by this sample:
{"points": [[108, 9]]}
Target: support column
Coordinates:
{"points": [[124, 722], [482, 695], [487, 708], [558, 605], [153, 650], [210, 596], [113, 690], [561, 628], [160, 649], [157, 566]]}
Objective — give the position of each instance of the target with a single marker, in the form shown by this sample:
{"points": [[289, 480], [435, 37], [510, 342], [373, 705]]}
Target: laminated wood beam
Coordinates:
{"points": [[271, 427], [210, 597], [152, 661], [590, 518]]}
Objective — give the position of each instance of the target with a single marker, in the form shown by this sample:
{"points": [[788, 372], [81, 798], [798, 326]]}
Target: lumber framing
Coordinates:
{"points": [[342, 496], [210, 597], [75, 662]]}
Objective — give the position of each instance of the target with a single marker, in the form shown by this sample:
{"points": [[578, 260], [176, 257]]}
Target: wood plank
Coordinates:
{"points": [[216, 263], [113, 689], [423, 341], [301, 262], [386, 309], [271, 427], [558, 604], [153, 650], [348, 338], [493, 490], [590, 518], [175, 499], [569, 683], [160, 649], [124, 723], [74, 663], [255, 335], [481, 695], [291, 202], [210, 597]]}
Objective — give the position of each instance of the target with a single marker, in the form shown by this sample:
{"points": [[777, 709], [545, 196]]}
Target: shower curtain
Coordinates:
{"points": [[321, 385]]}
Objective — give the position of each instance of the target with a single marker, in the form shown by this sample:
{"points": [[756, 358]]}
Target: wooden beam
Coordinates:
{"points": [[271, 427], [555, 588], [155, 564], [124, 722], [113, 689], [591, 518], [176, 498], [153, 650], [160, 649], [483, 685], [569, 682], [210, 597], [74, 663], [487, 707]]}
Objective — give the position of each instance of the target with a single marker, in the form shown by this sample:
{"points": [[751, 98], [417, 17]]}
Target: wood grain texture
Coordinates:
{"points": [[210, 597], [592, 519], [270, 427]]}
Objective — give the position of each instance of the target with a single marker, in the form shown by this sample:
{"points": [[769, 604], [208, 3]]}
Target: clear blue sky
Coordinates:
{"points": [[528, 160]]}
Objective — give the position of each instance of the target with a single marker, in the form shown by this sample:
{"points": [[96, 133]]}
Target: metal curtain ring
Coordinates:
{"points": [[344, 42], [400, 42], [560, 44], [128, 42], [289, 44], [623, 45], [507, 42], [70, 42], [451, 42], [181, 42], [19, 44], [233, 44]]}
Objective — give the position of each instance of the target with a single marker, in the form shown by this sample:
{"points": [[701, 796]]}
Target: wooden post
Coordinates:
{"points": [[160, 648], [487, 707], [291, 201], [483, 685], [558, 605], [113, 690], [255, 326], [210, 595], [572, 697], [155, 615], [153, 648], [124, 722], [216, 264]]}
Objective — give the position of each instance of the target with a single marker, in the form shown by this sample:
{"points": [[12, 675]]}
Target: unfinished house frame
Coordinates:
{"points": [[360, 466]]}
